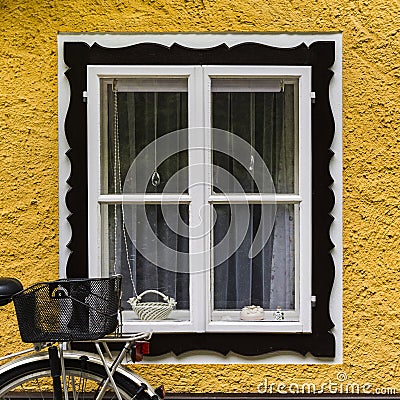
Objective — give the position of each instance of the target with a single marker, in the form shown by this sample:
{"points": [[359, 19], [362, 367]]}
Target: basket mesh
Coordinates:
{"points": [[68, 309]]}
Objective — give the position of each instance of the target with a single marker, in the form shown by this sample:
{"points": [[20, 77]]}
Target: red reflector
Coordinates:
{"points": [[160, 391], [144, 347]]}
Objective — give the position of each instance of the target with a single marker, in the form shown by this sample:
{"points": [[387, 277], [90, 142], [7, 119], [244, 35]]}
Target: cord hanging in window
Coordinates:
{"points": [[155, 178], [118, 189], [252, 132]]}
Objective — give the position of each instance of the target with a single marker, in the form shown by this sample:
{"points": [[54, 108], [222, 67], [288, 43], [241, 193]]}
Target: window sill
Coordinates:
{"points": [[132, 324], [256, 326]]}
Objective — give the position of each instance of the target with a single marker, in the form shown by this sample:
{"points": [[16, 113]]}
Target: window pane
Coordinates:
{"points": [[143, 115], [151, 252], [266, 121], [266, 280]]}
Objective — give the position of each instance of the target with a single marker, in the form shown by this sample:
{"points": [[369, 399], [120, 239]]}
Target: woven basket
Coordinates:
{"points": [[152, 310]]}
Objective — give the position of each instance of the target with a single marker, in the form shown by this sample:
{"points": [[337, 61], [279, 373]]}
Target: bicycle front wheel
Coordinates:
{"points": [[83, 379]]}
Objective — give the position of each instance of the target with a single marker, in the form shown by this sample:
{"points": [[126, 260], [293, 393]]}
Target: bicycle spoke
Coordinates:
{"points": [[83, 385], [73, 388], [40, 388], [25, 391]]}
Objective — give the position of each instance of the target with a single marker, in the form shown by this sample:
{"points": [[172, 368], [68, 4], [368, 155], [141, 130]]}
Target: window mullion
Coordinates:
{"points": [[199, 259], [251, 198], [206, 81], [144, 198]]}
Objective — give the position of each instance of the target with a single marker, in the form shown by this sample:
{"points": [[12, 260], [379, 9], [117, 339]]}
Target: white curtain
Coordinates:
{"points": [[265, 120], [137, 128]]}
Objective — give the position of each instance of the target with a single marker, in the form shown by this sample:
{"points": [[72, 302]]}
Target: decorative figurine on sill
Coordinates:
{"points": [[279, 315]]}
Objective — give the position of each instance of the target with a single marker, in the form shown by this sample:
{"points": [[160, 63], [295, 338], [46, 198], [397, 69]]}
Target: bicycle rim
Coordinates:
{"points": [[32, 381]]}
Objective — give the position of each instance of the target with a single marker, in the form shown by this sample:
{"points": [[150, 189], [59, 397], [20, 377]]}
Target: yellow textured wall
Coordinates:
{"points": [[371, 140]]}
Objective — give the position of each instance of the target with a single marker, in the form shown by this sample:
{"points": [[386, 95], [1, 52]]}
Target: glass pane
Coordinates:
{"points": [[151, 252], [266, 121], [137, 115], [267, 279]]}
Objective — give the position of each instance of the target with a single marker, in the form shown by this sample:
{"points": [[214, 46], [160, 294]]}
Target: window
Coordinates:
{"points": [[191, 169], [213, 153]]}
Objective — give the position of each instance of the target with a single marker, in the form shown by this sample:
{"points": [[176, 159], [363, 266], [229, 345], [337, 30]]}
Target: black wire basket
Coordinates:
{"points": [[68, 309]]}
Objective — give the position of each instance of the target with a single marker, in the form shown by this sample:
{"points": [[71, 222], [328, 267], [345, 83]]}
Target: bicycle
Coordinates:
{"points": [[53, 316]]}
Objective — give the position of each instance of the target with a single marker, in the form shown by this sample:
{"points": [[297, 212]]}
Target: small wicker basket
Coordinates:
{"points": [[152, 310]]}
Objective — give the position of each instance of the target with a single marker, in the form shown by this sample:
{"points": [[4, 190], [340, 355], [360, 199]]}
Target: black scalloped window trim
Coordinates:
{"points": [[320, 56]]}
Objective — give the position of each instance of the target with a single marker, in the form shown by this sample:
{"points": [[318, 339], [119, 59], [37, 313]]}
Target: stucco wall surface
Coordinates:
{"points": [[371, 140]]}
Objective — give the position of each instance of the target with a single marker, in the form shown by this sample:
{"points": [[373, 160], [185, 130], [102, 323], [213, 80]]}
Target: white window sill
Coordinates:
{"points": [[255, 326]]}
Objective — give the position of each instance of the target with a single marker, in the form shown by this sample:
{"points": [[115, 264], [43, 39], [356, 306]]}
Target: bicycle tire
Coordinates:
{"points": [[31, 380]]}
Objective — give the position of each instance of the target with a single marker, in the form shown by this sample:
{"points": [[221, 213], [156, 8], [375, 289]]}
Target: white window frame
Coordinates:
{"points": [[300, 319], [199, 249], [95, 198]]}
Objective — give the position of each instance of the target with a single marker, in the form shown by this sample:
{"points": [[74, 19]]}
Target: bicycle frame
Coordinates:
{"points": [[104, 358], [129, 341], [86, 323]]}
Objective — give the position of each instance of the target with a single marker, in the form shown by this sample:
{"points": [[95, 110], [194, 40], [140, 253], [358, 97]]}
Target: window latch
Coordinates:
{"points": [[313, 301], [84, 96], [312, 95]]}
